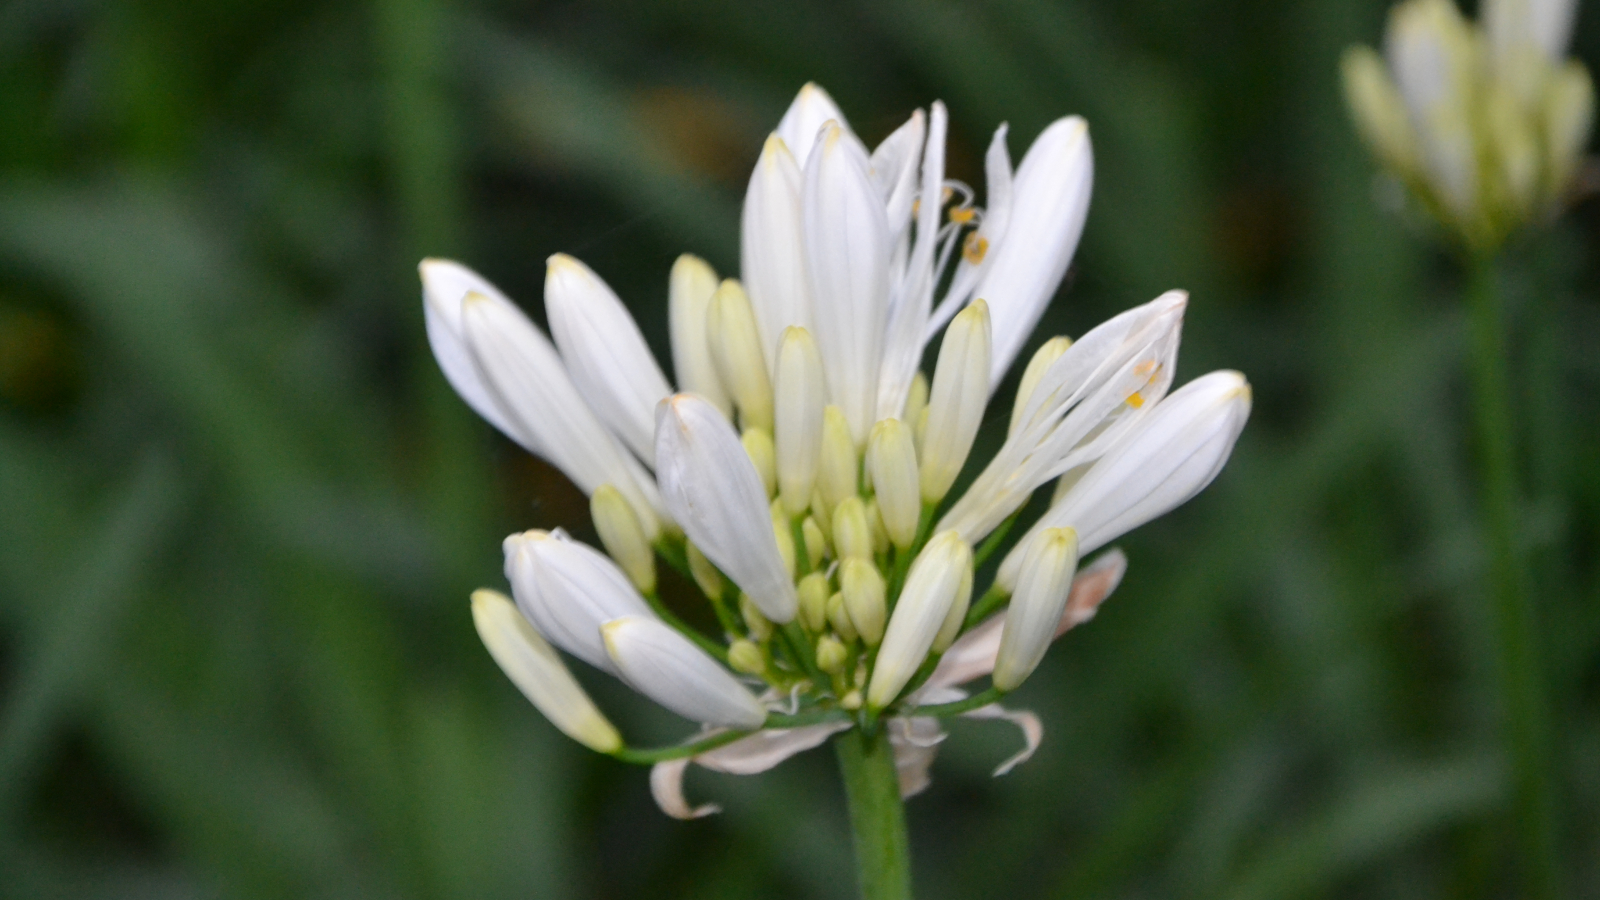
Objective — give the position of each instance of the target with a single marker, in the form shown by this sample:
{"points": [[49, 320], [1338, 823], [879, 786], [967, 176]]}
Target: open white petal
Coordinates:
{"points": [[913, 299], [811, 109], [847, 251], [666, 786], [915, 743], [894, 171], [604, 350], [523, 373], [716, 494], [1028, 723], [659, 662], [1048, 207], [991, 232], [768, 747]]}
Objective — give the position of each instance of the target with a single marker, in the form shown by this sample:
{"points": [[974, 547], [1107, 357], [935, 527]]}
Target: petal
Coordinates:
{"points": [[657, 661], [666, 786], [913, 303], [811, 109], [915, 743], [768, 747], [1049, 205], [847, 251], [991, 231], [1028, 723], [525, 376], [606, 353], [538, 672], [445, 285], [1043, 588], [956, 402], [689, 292], [772, 260], [799, 395], [568, 589], [1091, 587], [894, 171], [931, 589], [715, 493]]}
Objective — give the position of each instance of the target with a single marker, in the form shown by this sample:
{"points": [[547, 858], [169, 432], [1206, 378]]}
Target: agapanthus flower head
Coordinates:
{"points": [[1485, 122], [801, 471]]}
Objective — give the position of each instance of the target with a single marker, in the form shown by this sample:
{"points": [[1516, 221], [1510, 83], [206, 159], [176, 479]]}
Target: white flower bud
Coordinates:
{"points": [[758, 446], [623, 537], [799, 394], [772, 246], [831, 654], [838, 463], [956, 403], [744, 656], [880, 535], [689, 293], [736, 351], [839, 618], [864, 597], [851, 534], [704, 572], [783, 534], [566, 589], [811, 109], [956, 617], [1048, 352], [667, 667], [814, 593], [816, 542], [1036, 608], [931, 588], [759, 626], [539, 673], [892, 462], [604, 350], [1568, 116], [716, 494]]}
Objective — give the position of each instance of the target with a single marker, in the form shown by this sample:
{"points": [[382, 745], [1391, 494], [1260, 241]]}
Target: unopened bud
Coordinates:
{"points": [[1035, 611], [851, 701], [836, 467], [932, 587], [759, 625], [956, 404], [758, 446], [892, 460], [814, 592], [706, 576], [799, 396], [689, 293], [852, 536], [917, 397], [816, 541], [839, 618], [880, 534], [1037, 366], [623, 536], [864, 593], [736, 350], [785, 537], [956, 617], [831, 655], [744, 656]]}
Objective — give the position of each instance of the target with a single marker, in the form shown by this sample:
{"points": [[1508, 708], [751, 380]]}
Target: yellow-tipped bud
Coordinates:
{"points": [[917, 397], [1037, 366], [892, 460], [1568, 116], [736, 350], [865, 598], [839, 618], [1379, 113], [744, 656], [851, 533], [758, 446], [816, 542], [955, 406], [689, 292], [759, 625], [799, 396], [951, 628], [831, 655], [836, 467], [934, 584], [784, 535], [814, 592], [880, 535], [706, 576], [1034, 614], [623, 536], [851, 701]]}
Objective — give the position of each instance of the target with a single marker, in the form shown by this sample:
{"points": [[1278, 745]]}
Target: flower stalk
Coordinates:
{"points": [[877, 814]]}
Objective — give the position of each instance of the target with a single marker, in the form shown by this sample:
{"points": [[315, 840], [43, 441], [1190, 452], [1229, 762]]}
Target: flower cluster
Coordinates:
{"points": [[801, 476], [1485, 123]]}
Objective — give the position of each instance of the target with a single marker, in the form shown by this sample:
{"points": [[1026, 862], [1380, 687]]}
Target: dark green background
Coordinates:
{"points": [[240, 510]]}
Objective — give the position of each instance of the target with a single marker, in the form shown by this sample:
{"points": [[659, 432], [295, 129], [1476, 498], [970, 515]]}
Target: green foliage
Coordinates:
{"points": [[241, 512]]}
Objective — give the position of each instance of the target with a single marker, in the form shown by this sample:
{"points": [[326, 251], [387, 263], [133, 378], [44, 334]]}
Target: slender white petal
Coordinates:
{"points": [[976, 258], [772, 245], [894, 171], [847, 250], [930, 589], [689, 292], [812, 108], [667, 667], [604, 350], [716, 494], [525, 376], [1170, 456], [765, 749], [1049, 204], [1027, 723], [1035, 609], [915, 743], [1098, 389], [539, 673], [1048, 353], [445, 285], [956, 402], [799, 395], [567, 589], [892, 463], [913, 297]]}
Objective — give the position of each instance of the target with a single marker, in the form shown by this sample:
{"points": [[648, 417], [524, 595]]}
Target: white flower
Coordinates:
{"points": [[798, 471]]}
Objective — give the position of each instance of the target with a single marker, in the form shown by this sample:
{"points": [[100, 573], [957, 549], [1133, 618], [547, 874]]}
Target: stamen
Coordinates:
{"points": [[1135, 400], [963, 215], [975, 248]]}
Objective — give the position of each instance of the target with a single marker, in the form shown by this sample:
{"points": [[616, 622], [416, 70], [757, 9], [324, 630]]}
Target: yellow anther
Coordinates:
{"points": [[1145, 368], [946, 194], [961, 215], [1135, 400], [974, 248]]}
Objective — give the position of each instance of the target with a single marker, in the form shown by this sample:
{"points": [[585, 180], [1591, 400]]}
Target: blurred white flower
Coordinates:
{"points": [[798, 475]]}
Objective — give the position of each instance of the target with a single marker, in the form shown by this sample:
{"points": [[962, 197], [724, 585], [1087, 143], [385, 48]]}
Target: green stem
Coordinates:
{"points": [[988, 603], [689, 631], [877, 815], [992, 542], [1521, 681]]}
